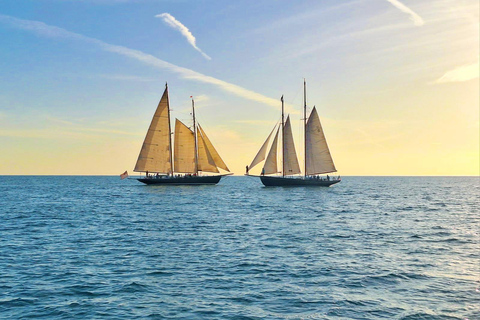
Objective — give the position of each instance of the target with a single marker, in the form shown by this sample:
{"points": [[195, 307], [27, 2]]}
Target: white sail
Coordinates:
{"points": [[205, 159], [317, 155], [270, 166], [211, 149], [261, 153], [184, 153], [290, 161], [155, 153]]}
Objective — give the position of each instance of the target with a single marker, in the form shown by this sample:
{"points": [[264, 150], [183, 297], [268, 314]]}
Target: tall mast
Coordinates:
{"points": [[305, 127], [169, 132], [283, 140], [195, 170]]}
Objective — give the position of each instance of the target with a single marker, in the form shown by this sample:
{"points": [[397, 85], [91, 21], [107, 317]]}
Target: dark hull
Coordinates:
{"points": [[290, 182], [183, 180]]}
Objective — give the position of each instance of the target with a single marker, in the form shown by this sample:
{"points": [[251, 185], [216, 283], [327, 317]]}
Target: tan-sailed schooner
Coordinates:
{"points": [[318, 159], [192, 155]]}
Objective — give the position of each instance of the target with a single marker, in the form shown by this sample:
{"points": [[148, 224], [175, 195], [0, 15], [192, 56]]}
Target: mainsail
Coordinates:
{"points": [[184, 153], [290, 160], [271, 162], [318, 158], [155, 153]]}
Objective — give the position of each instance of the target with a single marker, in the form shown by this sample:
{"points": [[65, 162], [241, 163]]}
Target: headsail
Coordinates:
{"points": [[184, 153], [261, 153], [213, 152], [270, 165], [318, 158], [155, 153], [205, 159], [290, 160]]}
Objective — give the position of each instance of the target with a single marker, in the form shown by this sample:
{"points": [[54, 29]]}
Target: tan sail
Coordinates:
{"points": [[261, 153], [318, 158], [205, 159], [213, 152], [155, 153], [290, 160], [270, 166], [184, 153]]}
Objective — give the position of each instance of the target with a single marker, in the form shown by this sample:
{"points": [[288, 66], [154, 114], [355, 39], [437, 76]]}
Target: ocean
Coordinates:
{"points": [[92, 247]]}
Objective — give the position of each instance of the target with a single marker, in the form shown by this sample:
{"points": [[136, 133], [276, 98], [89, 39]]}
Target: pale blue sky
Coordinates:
{"points": [[79, 80]]}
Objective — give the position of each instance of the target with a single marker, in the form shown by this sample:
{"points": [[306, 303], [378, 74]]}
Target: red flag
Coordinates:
{"points": [[124, 175]]}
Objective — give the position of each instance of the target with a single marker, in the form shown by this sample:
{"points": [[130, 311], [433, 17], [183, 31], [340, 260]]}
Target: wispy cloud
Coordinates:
{"points": [[255, 122], [51, 126], [123, 77], [49, 31], [66, 133], [177, 25], [59, 121], [101, 127], [417, 20], [461, 74]]}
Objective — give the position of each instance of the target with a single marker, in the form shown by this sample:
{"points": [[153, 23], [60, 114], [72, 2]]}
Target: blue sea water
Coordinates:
{"points": [[81, 247]]}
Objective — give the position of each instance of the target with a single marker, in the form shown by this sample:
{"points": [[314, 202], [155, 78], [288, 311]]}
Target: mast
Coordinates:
{"points": [[195, 169], [305, 126], [283, 140], [169, 132]]}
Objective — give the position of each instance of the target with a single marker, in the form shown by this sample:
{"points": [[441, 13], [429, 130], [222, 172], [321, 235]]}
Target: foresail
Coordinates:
{"points": [[155, 153], [270, 166], [184, 153], [213, 152], [318, 158], [205, 159], [261, 153], [290, 160]]}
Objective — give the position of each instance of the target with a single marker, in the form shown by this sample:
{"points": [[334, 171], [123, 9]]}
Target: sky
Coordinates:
{"points": [[396, 83]]}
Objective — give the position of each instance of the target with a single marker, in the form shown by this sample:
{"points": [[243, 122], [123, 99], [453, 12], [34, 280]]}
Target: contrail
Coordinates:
{"points": [[175, 24], [417, 20], [46, 30]]}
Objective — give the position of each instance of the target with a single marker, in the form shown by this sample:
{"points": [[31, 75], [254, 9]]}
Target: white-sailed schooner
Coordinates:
{"points": [[318, 159], [182, 163]]}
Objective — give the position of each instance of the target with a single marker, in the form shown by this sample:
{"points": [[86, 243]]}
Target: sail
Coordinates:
{"points": [[290, 161], [261, 153], [211, 149], [205, 159], [271, 162], [184, 153], [317, 156], [155, 152]]}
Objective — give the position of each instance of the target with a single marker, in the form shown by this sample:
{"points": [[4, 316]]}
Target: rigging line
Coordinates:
{"points": [[295, 96]]}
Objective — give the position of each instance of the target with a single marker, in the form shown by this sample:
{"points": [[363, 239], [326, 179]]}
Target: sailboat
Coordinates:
{"points": [[193, 153], [318, 159]]}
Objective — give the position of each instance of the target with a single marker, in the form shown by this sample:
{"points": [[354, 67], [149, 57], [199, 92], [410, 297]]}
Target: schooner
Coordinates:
{"points": [[318, 159], [192, 153]]}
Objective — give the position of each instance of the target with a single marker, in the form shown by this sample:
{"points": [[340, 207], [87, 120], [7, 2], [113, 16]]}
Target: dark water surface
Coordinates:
{"points": [[367, 248]]}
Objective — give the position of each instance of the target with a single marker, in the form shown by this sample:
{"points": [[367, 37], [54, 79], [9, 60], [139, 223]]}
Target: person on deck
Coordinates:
{"points": [[246, 169]]}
